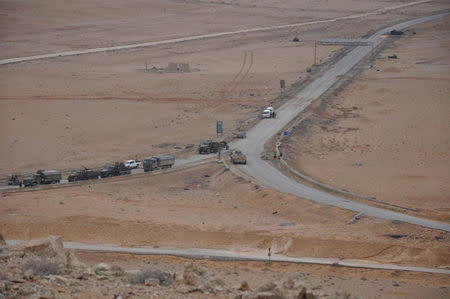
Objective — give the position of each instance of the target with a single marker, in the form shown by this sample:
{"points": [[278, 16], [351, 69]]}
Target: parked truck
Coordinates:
{"points": [[158, 162], [210, 146], [14, 180], [115, 170], [43, 177], [84, 174]]}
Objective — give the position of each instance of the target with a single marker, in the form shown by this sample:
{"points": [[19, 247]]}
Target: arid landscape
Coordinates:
{"points": [[382, 132]]}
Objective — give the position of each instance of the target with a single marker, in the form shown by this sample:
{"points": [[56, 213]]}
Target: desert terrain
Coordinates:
{"points": [[385, 134], [90, 110], [97, 108]]}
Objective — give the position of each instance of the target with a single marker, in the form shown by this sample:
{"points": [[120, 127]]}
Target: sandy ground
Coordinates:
{"points": [[93, 109], [385, 135], [196, 207]]}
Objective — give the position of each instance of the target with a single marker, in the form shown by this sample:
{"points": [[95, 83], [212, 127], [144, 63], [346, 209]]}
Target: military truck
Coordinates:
{"points": [[84, 174], [14, 180], [237, 157], [114, 170], [210, 146], [158, 162], [43, 177]]}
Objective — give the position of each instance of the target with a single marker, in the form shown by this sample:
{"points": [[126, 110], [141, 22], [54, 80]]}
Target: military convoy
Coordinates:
{"points": [[115, 170], [13, 180], [84, 174], [42, 177], [158, 162], [208, 147]]}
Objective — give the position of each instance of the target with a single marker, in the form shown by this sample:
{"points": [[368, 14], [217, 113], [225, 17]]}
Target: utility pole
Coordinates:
{"points": [[315, 52]]}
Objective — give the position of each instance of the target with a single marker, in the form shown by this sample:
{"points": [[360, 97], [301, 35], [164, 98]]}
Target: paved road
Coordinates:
{"points": [[211, 254], [252, 146], [271, 177], [204, 36]]}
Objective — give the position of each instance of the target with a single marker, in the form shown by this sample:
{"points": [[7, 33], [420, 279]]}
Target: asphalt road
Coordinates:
{"points": [[253, 145], [212, 254], [271, 177]]}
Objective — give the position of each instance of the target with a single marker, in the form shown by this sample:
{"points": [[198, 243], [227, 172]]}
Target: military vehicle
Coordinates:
{"points": [[114, 170], [14, 180], [43, 177], [210, 146], [84, 174], [237, 157], [158, 162], [241, 134]]}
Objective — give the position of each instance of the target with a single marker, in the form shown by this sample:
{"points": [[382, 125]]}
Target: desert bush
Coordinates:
{"points": [[117, 270], [164, 278], [42, 266]]}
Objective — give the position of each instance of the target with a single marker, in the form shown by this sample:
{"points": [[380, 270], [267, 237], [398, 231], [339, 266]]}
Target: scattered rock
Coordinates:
{"points": [[2, 240], [305, 295], [270, 286], [193, 274], [28, 275], [151, 282], [185, 289], [261, 295], [342, 295], [59, 279], [293, 284], [73, 261], [102, 267], [244, 286]]}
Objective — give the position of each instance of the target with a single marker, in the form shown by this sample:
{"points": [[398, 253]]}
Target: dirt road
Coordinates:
{"points": [[203, 36]]}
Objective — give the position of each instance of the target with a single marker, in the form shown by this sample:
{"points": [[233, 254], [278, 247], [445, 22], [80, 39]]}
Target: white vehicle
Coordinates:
{"points": [[269, 112], [131, 164]]}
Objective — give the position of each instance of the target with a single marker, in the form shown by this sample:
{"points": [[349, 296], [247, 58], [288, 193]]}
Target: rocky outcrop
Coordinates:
{"points": [[50, 247]]}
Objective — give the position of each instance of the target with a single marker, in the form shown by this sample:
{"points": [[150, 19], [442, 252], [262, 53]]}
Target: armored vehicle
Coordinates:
{"points": [[237, 157], [14, 180], [210, 146], [84, 174], [114, 170], [43, 177], [158, 162]]}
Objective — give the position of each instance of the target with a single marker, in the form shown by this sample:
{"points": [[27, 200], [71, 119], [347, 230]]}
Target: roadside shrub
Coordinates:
{"points": [[41, 266], [117, 270], [164, 278]]}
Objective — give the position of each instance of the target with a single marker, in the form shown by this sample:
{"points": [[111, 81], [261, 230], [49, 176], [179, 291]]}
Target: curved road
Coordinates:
{"points": [[253, 145], [271, 177]]}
